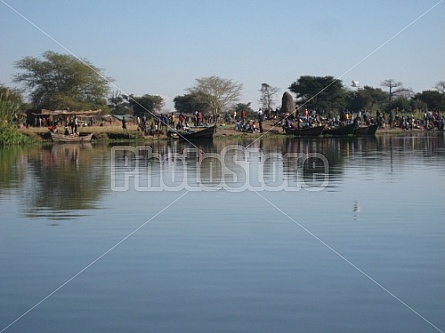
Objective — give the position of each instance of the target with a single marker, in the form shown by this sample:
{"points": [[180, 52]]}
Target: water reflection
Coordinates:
{"points": [[53, 182], [64, 181]]}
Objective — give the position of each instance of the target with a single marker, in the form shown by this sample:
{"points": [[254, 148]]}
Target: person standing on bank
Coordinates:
{"points": [[260, 120], [124, 123]]}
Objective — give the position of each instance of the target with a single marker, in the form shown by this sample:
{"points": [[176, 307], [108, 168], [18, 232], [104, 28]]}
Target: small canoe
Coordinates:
{"points": [[307, 131], [204, 134], [340, 131], [366, 130], [56, 137]]}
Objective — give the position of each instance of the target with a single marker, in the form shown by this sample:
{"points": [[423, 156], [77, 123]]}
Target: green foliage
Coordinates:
{"points": [[119, 103], [10, 101], [320, 93], [434, 100], [62, 82], [402, 104], [146, 105], [10, 136], [240, 107], [367, 98], [418, 105], [189, 103], [219, 94]]}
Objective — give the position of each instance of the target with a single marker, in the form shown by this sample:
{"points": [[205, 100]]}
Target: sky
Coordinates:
{"points": [[160, 47]]}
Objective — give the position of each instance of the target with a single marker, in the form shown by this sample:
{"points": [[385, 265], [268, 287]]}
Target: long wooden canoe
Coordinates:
{"points": [[56, 137], [340, 131], [204, 134], [307, 131], [366, 130]]}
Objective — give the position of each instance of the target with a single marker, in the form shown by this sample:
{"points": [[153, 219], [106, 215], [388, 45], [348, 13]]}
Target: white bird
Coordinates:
{"points": [[355, 84]]}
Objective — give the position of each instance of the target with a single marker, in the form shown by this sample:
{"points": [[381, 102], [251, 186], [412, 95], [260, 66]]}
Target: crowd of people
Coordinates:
{"points": [[248, 122]]}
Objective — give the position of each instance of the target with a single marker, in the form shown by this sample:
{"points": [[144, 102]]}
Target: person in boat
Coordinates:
{"points": [[67, 131], [287, 123]]}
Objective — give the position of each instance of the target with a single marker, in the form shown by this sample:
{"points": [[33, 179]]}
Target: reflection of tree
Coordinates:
{"points": [[333, 150], [12, 171], [63, 178]]}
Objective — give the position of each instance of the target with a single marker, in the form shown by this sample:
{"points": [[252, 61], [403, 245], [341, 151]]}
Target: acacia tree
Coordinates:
{"points": [[219, 94], [62, 81], [267, 96]]}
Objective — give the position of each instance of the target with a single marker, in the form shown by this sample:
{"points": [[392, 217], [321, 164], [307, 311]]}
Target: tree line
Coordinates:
{"points": [[64, 82]]}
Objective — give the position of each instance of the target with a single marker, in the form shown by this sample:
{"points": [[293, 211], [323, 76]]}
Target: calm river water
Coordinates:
{"points": [[278, 235]]}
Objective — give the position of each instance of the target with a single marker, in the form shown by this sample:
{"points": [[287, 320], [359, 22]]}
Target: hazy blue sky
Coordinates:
{"points": [[161, 47]]}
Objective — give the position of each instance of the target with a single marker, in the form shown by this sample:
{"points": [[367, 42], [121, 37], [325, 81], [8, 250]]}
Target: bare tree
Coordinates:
{"points": [[394, 89], [440, 86], [267, 96], [219, 94]]}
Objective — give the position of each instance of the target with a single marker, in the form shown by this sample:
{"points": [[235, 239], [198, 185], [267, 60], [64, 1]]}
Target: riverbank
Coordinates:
{"points": [[116, 133]]}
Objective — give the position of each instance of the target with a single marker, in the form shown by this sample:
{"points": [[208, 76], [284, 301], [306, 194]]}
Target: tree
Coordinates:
{"points": [[10, 103], [440, 86], [320, 93], [418, 105], [434, 100], [240, 107], [146, 105], [367, 98], [189, 103], [62, 82], [267, 96], [119, 103], [402, 104], [394, 89], [219, 94]]}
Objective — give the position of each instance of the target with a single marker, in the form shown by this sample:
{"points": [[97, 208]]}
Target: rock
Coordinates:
{"points": [[287, 103]]}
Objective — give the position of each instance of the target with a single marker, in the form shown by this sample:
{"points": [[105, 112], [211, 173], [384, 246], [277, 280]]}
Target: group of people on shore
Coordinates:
{"points": [[308, 118]]}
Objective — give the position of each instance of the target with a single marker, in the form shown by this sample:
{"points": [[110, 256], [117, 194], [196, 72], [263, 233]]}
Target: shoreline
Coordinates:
{"points": [[116, 133]]}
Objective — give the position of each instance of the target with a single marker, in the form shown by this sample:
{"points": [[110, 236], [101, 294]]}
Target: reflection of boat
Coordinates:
{"points": [[307, 131], [366, 130], [56, 137], [204, 134], [340, 131]]}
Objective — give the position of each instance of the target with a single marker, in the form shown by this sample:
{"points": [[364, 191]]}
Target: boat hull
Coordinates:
{"points": [[309, 131], [366, 130], [204, 134], [56, 137], [340, 131]]}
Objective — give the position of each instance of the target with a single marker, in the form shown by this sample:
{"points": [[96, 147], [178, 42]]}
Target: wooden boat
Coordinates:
{"points": [[204, 134], [307, 131], [366, 130], [56, 137], [340, 131]]}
